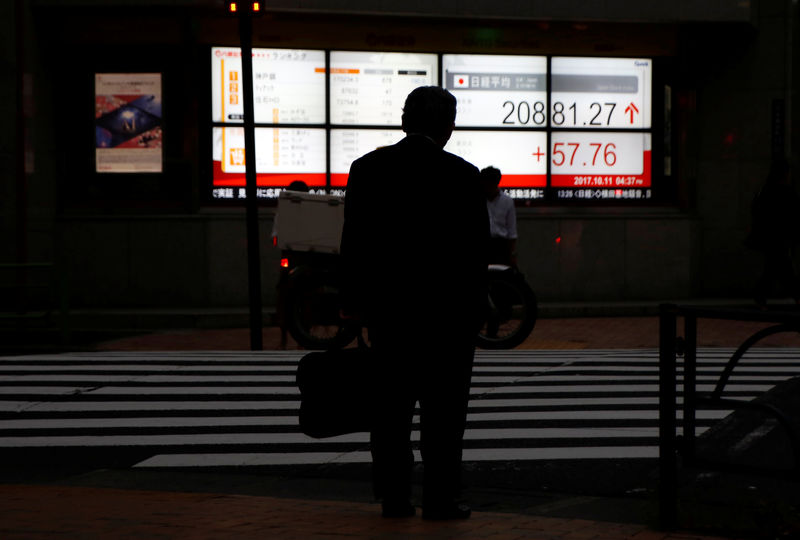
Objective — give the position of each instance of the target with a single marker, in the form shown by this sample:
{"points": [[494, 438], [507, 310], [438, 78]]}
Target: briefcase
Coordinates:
{"points": [[337, 392]]}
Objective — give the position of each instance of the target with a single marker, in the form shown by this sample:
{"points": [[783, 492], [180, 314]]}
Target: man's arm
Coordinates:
{"points": [[352, 245], [511, 227]]}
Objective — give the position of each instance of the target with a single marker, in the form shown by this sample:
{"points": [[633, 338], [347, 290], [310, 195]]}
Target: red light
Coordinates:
{"points": [[558, 239], [729, 139], [274, 241], [284, 263]]}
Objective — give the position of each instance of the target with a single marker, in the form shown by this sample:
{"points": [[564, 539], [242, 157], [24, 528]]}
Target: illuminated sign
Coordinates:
{"points": [[520, 155], [594, 93], [556, 127], [127, 111], [288, 86], [282, 156], [370, 89], [347, 145], [601, 159], [497, 91]]}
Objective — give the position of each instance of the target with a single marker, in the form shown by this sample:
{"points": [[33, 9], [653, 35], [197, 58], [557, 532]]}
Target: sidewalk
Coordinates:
{"points": [[558, 333], [45, 512], [54, 509]]}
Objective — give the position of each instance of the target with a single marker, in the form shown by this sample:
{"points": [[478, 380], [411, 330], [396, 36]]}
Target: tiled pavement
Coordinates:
{"points": [[46, 512]]}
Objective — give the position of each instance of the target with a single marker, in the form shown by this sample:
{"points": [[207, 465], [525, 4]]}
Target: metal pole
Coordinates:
{"points": [[21, 187], [253, 242], [689, 387], [668, 486]]}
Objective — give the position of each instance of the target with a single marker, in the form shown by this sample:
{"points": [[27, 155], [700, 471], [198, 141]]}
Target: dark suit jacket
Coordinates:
{"points": [[414, 244]]}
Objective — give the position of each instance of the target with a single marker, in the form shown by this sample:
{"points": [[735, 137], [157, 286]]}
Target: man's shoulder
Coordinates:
{"points": [[506, 198], [378, 155], [461, 163], [409, 150]]}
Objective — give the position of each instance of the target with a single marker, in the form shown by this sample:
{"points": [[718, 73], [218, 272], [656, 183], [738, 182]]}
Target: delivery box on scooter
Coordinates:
{"points": [[309, 222]]}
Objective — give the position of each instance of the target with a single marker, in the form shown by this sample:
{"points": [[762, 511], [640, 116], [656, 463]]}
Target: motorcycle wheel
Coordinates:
{"points": [[312, 314], [512, 312]]}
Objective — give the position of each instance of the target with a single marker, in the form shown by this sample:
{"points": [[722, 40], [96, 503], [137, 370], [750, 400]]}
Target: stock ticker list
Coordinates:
{"points": [[373, 94]]}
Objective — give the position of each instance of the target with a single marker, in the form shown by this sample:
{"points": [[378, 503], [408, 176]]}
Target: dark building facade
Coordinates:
{"points": [[723, 94]]}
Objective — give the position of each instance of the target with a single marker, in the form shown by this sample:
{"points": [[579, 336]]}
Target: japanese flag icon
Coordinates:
{"points": [[460, 81]]}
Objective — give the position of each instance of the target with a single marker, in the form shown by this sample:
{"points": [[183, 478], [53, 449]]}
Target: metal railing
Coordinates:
{"points": [[671, 347]]}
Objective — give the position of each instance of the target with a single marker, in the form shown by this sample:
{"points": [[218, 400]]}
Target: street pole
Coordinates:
{"points": [[21, 188], [251, 203], [667, 418]]}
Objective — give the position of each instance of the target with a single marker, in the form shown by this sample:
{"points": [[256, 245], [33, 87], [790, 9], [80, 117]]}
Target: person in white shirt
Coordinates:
{"points": [[502, 219]]}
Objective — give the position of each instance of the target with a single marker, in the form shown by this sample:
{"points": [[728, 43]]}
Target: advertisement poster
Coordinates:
{"points": [[128, 123]]}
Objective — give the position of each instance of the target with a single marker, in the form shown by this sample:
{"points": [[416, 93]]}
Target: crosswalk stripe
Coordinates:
{"points": [[482, 391], [199, 408], [59, 381], [490, 454], [223, 407], [266, 421], [150, 405]]}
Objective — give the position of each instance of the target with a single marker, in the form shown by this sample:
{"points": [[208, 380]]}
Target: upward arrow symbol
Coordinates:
{"points": [[632, 110]]}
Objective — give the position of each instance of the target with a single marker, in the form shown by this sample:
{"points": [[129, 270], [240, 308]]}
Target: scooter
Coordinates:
{"points": [[512, 309], [312, 307]]}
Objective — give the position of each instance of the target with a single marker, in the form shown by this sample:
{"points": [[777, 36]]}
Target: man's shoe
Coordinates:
{"points": [[450, 511], [398, 510]]}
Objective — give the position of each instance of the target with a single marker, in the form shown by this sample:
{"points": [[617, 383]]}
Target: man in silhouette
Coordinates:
{"points": [[414, 253], [502, 219], [776, 233]]}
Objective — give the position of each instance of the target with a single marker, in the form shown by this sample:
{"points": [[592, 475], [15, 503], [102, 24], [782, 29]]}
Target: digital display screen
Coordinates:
{"points": [[497, 91], [557, 127], [602, 159], [283, 155], [521, 156], [288, 86], [370, 89], [347, 145], [596, 93], [127, 115]]}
